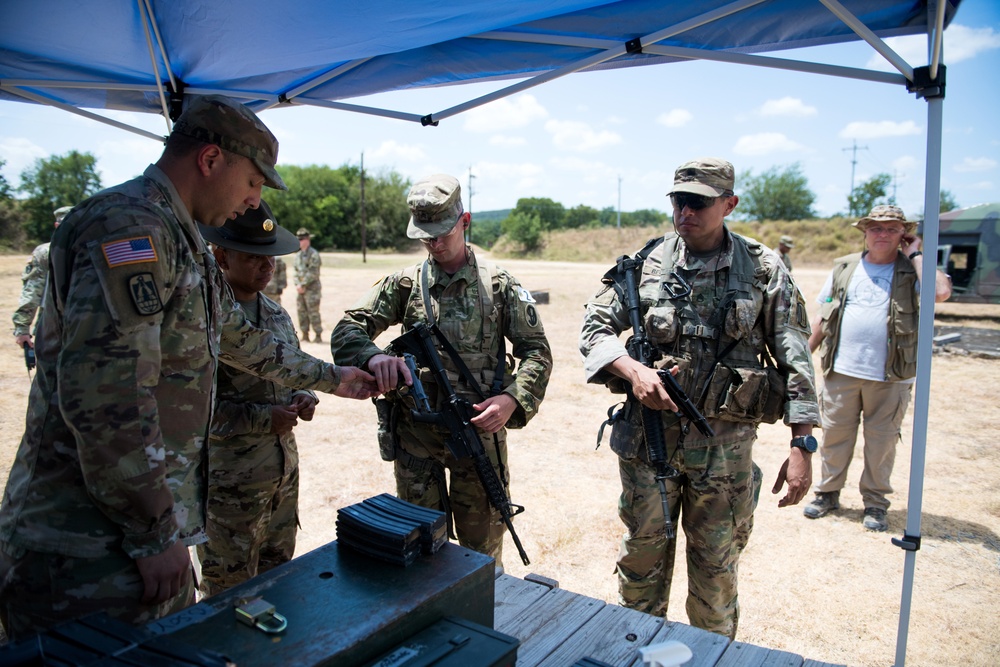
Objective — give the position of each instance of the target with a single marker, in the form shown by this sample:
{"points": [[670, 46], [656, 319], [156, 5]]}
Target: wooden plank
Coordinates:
{"points": [[740, 654], [511, 596], [546, 624], [817, 663], [706, 647], [614, 635]]}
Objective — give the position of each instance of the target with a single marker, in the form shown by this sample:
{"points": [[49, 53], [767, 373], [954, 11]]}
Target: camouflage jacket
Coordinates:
{"points": [[307, 264], [33, 280], [458, 308], [741, 296], [241, 425], [279, 279], [132, 328]]}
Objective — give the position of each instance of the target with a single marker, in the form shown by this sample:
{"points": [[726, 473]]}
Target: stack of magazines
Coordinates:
{"points": [[391, 529]]}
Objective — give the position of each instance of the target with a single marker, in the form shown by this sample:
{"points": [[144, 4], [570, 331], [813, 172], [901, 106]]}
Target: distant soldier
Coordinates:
{"points": [[307, 265], [785, 244], [278, 282], [253, 462], [33, 279]]}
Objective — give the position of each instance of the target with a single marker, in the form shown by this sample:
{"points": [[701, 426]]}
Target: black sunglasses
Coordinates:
{"points": [[692, 201]]}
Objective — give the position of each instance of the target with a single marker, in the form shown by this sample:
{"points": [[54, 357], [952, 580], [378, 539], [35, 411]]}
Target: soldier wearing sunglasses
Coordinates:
{"points": [[720, 310]]}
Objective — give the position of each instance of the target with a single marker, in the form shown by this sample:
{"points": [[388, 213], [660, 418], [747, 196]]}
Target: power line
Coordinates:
{"points": [[854, 162]]}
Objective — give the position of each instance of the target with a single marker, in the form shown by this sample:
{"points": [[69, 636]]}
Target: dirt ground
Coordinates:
{"points": [[825, 589]]}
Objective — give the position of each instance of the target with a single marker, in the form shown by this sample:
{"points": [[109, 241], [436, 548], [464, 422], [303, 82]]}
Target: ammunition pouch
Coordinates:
{"points": [[386, 412], [774, 406], [737, 394]]}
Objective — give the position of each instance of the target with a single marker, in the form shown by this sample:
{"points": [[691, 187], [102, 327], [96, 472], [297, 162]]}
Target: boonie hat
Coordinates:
{"points": [[216, 119], [787, 241], [886, 213], [62, 212], [435, 206], [303, 233], [707, 176], [254, 232]]}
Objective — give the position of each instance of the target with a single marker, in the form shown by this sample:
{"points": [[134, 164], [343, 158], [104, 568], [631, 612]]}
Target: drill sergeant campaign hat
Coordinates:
{"points": [[435, 206], [707, 176], [886, 213], [219, 120], [255, 232], [303, 233]]}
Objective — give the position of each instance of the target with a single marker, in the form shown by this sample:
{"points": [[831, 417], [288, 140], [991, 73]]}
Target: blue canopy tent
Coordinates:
{"points": [[152, 55]]}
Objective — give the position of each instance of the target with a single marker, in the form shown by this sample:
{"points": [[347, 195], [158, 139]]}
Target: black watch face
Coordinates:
{"points": [[806, 442]]}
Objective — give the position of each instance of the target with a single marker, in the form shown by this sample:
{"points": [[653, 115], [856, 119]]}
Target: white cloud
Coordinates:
{"points": [[391, 149], [505, 114], [507, 140], [983, 185], [960, 43], [765, 143], [19, 154], [787, 106], [976, 164], [860, 129], [675, 118], [906, 163], [578, 136]]}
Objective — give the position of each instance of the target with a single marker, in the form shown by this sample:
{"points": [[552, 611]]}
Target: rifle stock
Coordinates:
{"points": [[417, 349]]}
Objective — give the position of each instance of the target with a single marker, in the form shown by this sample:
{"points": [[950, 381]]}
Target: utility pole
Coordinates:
{"points": [[471, 176], [893, 200], [364, 219], [854, 162], [619, 201]]}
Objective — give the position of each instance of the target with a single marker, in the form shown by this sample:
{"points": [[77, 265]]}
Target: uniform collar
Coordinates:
{"points": [[187, 223]]}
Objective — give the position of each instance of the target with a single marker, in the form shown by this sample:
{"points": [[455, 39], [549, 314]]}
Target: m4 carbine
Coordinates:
{"points": [[417, 349]]}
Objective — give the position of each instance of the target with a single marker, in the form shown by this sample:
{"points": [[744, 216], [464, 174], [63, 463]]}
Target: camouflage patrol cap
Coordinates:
{"points": [[435, 206], [708, 176], [886, 213], [303, 233], [219, 120], [61, 213], [255, 232], [787, 241]]}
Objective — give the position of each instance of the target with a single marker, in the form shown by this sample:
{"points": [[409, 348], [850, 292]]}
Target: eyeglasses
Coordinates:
{"points": [[879, 231], [692, 201]]}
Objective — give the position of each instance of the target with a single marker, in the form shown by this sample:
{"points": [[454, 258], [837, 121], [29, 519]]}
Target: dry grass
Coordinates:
{"points": [[826, 589]]}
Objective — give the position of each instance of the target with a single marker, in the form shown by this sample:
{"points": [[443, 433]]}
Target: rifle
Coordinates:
{"points": [[417, 347], [29, 358], [640, 349]]}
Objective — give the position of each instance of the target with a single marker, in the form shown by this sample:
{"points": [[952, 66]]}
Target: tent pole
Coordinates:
{"points": [[925, 334], [48, 101]]}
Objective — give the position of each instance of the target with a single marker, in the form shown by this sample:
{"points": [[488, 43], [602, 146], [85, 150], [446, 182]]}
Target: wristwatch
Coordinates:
{"points": [[806, 442]]}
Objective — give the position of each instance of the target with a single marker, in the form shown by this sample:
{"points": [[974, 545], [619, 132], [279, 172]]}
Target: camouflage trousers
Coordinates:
{"points": [[40, 590], [307, 306], [420, 479], [715, 498], [252, 524]]}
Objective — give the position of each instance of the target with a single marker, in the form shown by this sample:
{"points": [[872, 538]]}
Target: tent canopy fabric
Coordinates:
{"points": [[113, 54]]}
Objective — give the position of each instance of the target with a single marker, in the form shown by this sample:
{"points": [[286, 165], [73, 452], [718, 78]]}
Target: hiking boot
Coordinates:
{"points": [[822, 504], [875, 519]]}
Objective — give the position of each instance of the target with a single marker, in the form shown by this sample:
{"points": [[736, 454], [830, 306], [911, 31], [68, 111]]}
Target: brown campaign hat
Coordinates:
{"points": [[708, 176], [886, 213], [435, 206], [255, 232], [219, 120]]}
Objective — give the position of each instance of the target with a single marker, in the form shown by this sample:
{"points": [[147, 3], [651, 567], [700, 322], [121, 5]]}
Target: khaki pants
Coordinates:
{"points": [[843, 402]]}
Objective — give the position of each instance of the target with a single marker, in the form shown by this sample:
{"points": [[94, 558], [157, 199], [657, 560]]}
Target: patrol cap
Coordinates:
{"points": [[886, 213], [303, 233], [787, 241], [435, 206], [61, 212], [707, 176], [254, 232], [219, 120]]}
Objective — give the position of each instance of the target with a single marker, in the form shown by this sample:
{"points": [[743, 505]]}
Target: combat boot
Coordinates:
{"points": [[822, 504], [305, 336]]}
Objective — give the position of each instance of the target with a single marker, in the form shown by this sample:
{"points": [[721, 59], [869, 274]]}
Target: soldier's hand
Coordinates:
{"points": [[387, 370], [797, 471], [22, 339], [301, 289], [646, 384], [283, 419], [304, 406], [494, 412], [356, 383], [165, 574]]}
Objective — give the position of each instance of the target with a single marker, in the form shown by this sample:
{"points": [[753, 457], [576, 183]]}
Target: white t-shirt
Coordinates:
{"points": [[863, 345]]}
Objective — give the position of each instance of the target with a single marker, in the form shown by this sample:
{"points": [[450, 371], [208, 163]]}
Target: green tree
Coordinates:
{"points": [[645, 217], [11, 216], [581, 216], [776, 194], [550, 213], [61, 180], [6, 192], [869, 194], [947, 202], [523, 228]]}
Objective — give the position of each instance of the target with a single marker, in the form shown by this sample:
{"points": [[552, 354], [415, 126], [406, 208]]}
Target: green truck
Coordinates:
{"points": [[969, 252]]}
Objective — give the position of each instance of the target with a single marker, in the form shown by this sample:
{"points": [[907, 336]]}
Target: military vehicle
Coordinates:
{"points": [[969, 252]]}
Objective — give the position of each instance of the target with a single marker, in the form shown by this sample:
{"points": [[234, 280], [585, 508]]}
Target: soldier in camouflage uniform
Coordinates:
{"points": [[307, 265], [107, 490], [785, 245], [478, 306], [278, 282], [33, 280], [714, 303], [253, 462]]}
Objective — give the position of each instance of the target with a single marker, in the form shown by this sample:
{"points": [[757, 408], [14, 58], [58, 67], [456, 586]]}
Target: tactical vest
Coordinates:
{"points": [[902, 322]]}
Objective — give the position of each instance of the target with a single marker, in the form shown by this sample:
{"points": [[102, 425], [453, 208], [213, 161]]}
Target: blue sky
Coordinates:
{"points": [[588, 137]]}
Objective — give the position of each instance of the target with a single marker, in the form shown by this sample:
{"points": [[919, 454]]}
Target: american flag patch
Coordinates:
{"points": [[129, 251]]}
